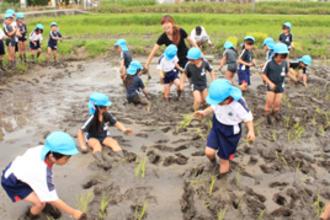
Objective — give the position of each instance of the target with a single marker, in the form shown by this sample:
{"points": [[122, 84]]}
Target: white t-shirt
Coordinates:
{"points": [[2, 34], [35, 37], [30, 169], [233, 113], [167, 65], [203, 35]]}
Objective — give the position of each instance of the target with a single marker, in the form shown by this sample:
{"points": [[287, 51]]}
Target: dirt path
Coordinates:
{"points": [[277, 177]]}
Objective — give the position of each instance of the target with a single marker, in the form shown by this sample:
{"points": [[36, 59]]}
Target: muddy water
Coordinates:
{"points": [[279, 175]]}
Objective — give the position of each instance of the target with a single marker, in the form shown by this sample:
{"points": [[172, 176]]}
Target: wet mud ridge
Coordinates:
{"points": [[165, 175]]}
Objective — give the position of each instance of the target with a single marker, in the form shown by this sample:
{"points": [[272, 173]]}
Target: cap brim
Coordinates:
{"points": [[108, 103], [236, 93], [211, 101], [72, 152]]}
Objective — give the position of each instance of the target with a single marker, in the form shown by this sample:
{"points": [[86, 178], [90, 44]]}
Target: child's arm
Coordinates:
{"points": [[291, 76], [122, 128], [212, 75], [152, 54], [144, 90], [81, 140], [251, 135], [182, 81], [161, 74], [305, 80], [205, 112], [240, 61], [122, 67], [267, 80], [179, 67], [254, 63], [76, 214], [223, 61]]}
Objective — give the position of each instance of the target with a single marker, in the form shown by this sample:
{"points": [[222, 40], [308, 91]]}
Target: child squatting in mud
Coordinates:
{"points": [[97, 129], [29, 176], [230, 110]]}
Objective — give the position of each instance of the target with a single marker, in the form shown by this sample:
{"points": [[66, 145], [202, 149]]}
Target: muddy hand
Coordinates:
{"points": [[83, 217], [128, 132], [251, 136], [199, 115]]}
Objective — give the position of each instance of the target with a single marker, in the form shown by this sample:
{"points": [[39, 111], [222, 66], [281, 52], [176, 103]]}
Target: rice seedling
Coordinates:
{"points": [[213, 179], [221, 214], [239, 202], [321, 130], [276, 154], [83, 200], [298, 166], [289, 136], [199, 132], [299, 132], [185, 122], [140, 168], [289, 105], [261, 214], [103, 205], [139, 214], [274, 136], [326, 85], [317, 205], [296, 125], [287, 119], [284, 160], [259, 121], [314, 121], [207, 204], [284, 98], [50, 218], [238, 175]]}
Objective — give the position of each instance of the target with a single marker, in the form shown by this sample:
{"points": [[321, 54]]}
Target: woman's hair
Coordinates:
{"points": [[176, 30], [56, 155], [96, 122]]}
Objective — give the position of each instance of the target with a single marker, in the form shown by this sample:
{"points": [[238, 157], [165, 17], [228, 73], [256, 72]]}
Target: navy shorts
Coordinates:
{"points": [[223, 138], [2, 48], [52, 46], [16, 189], [22, 39], [170, 76], [198, 87], [35, 47], [134, 99], [100, 139], [243, 74], [279, 88]]}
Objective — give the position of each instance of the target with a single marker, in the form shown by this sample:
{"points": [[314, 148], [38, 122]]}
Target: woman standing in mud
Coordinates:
{"points": [[97, 129], [173, 35]]}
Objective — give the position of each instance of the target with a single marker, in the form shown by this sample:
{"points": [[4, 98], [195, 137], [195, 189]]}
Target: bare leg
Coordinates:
{"points": [[37, 205], [95, 145], [270, 99], [204, 96], [197, 99], [112, 144], [229, 76], [224, 166]]}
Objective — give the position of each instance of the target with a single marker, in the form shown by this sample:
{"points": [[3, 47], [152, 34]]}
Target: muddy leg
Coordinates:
{"points": [[204, 96], [210, 154], [229, 76], [270, 99], [112, 144], [37, 205], [177, 85], [167, 88], [197, 99], [224, 166], [277, 104]]}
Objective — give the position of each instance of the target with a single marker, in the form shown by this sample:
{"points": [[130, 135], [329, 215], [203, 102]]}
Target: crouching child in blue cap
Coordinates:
{"points": [[29, 177], [274, 73], [134, 84], [97, 130], [301, 66], [196, 70], [168, 68], [54, 36], [230, 110], [125, 57], [246, 60], [230, 58], [35, 40]]}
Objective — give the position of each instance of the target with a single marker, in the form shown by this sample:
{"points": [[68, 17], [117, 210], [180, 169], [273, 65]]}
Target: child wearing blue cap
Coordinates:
{"points": [[230, 110], [2, 49], [246, 60], [230, 58], [274, 73], [269, 48], [134, 84], [29, 177], [168, 68], [21, 33], [301, 66], [125, 57], [97, 131], [35, 40], [54, 36], [286, 36], [195, 70], [10, 31]]}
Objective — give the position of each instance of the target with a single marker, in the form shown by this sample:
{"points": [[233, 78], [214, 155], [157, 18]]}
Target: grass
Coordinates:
{"points": [[213, 179], [261, 214], [139, 214], [140, 168], [222, 213], [83, 200], [317, 205]]}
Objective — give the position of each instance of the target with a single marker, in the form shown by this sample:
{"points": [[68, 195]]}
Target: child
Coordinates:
{"points": [[246, 60], [21, 33], [133, 84], [286, 36], [2, 49], [230, 58], [125, 57], [301, 66], [11, 40], [195, 70], [54, 36], [200, 37], [269, 48], [97, 131], [273, 73], [30, 176], [230, 110], [35, 40], [168, 67]]}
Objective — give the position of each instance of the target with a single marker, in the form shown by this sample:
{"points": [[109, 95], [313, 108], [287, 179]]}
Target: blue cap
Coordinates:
{"points": [[170, 52], [228, 45], [9, 15], [268, 40], [281, 48], [19, 15], [306, 59], [287, 24], [134, 67], [270, 46], [220, 90], [122, 44], [194, 53], [10, 11], [249, 38], [40, 26], [59, 142], [98, 99], [53, 24]]}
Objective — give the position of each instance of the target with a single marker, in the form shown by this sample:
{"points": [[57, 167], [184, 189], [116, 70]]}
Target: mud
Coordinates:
{"points": [[165, 175]]}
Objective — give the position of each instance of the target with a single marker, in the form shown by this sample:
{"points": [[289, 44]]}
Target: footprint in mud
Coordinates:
{"points": [[166, 129], [278, 184], [142, 135], [180, 159], [90, 183], [282, 212], [153, 157], [200, 153], [279, 199], [187, 202]]}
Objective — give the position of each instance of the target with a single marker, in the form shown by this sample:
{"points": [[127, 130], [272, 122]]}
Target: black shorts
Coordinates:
{"points": [[22, 39], [198, 87], [10, 42], [52, 46], [232, 67], [278, 89], [134, 99], [35, 47], [2, 48]]}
